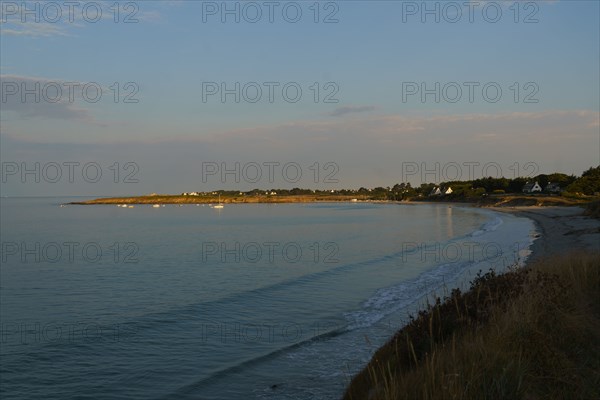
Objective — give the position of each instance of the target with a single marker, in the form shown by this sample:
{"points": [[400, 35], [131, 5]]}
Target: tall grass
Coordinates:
{"points": [[528, 334]]}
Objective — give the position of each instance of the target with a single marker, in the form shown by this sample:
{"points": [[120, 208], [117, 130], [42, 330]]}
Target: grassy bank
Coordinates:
{"points": [[535, 200], [513, 200], [528, 334]]}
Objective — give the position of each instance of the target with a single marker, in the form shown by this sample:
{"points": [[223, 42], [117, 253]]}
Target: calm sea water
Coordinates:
{"points": [[260, 301]]}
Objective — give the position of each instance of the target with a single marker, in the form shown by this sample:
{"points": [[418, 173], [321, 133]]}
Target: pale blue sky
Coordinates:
{"points": [[368, 54]]}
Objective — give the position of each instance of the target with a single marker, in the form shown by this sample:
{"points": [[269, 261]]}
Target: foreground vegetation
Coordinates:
{"points": [[528, 334]]}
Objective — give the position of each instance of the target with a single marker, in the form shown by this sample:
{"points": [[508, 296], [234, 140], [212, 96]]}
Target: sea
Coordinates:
{"points": [[252, 301]]}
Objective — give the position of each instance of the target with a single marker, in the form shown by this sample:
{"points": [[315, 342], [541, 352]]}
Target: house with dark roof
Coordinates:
{"points": [[439, 191], [532, 187], [552, 188]]}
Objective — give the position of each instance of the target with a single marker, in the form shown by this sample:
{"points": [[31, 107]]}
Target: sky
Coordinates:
{"points": [[135, 97]]}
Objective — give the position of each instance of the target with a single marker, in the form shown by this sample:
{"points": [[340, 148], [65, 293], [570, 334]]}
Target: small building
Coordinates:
{"points": [[532, 187], [448, 191], [552, 188], [436, 192]]}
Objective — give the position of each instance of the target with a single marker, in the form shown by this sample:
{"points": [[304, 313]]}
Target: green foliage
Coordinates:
{"points": [[490, 184], [588, 183], [516, 185], [563, 180]]}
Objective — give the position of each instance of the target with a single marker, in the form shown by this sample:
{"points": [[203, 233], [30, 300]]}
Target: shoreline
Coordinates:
{"points": [[561, 230], [520, 301], [504, 201]]}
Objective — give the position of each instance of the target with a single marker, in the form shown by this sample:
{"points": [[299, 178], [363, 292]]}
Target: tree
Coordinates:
{"points": [[563, 180], [516, 185], [588, 183]]}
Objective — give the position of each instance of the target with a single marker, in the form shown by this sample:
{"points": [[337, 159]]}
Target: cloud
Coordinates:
{"points": [[350, 110], [549, 131], [32, 29], [42, 103], [32, 19], [35, 19]]}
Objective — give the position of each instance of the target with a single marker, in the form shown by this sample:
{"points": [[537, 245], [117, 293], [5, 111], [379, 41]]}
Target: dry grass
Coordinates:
{"points": [[527, 334], [532, 200]]}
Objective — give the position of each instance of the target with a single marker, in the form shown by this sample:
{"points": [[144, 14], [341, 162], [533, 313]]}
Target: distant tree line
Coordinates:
{"points": [[587, 184]]}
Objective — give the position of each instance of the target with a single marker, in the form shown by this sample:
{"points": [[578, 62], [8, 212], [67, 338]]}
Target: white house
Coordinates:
{"points": [[448, 191], [435, 192], [532, 188]]}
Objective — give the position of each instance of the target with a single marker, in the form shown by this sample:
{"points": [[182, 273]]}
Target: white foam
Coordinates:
{"points": [[386, 301]]}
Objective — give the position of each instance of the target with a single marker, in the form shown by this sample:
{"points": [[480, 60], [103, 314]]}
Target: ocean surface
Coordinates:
{"points": [[257, 301]]}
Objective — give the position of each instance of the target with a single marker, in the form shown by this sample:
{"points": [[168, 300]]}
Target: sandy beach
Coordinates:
{"points": [[561, 229]]}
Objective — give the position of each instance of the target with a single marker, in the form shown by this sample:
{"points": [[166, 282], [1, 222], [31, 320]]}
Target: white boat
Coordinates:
{"points": [[220, 205], [156, 206]]}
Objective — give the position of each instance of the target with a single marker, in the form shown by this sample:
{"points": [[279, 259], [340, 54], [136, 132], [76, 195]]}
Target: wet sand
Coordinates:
{"points": [[561, 229]]}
